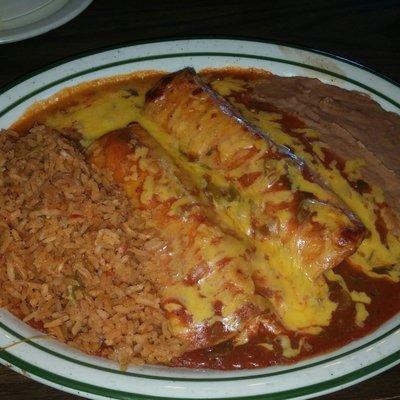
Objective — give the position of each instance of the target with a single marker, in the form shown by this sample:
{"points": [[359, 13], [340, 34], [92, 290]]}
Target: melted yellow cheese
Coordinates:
{"points": [[267, 346], [287, 350], [361, 314], [305, 302], [372, 252], [229, 283], [302, 301], [228, 85], [361, 297], [198, 306], [98, 114], [107, 110]]}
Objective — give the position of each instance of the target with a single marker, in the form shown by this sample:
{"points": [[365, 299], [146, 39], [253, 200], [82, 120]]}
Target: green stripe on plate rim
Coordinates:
{"points": [[165, 378], [253, 39], [118, 394], [180, 55]]}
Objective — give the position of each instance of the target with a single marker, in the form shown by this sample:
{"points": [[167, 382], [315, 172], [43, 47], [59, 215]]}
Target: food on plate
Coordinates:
{"points": [[207, 291], [203, 220], [262, 191], [339, 117], [74, 258]]}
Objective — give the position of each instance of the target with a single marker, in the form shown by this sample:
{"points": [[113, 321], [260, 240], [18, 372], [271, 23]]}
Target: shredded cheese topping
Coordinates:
{"points": [[106, 110]]}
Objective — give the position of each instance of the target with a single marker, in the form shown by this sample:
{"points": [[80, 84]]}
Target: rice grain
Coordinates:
{"points": [[76, 260]]}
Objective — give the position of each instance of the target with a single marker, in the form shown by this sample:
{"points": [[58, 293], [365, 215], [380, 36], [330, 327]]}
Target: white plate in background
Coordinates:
{"points": [[22, 19]]}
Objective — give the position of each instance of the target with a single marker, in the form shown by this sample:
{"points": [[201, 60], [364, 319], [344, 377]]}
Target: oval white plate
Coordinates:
{"points": [[67, 369], [24, 19]]}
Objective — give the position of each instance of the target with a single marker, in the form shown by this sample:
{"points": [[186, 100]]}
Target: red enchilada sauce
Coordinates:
{"points": [[385, 303], [384, 294]]}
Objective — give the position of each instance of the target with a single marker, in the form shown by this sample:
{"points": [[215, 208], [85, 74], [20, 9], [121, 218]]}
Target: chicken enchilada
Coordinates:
{"points": [[267, 251]]}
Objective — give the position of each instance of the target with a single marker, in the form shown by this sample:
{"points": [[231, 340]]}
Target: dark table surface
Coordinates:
{"points": [[365, 31]]}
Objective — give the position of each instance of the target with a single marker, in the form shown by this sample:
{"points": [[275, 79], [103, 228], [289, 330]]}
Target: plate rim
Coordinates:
{"points": [[221, 379], [346, 380], [161, 39], [35, 72]]}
